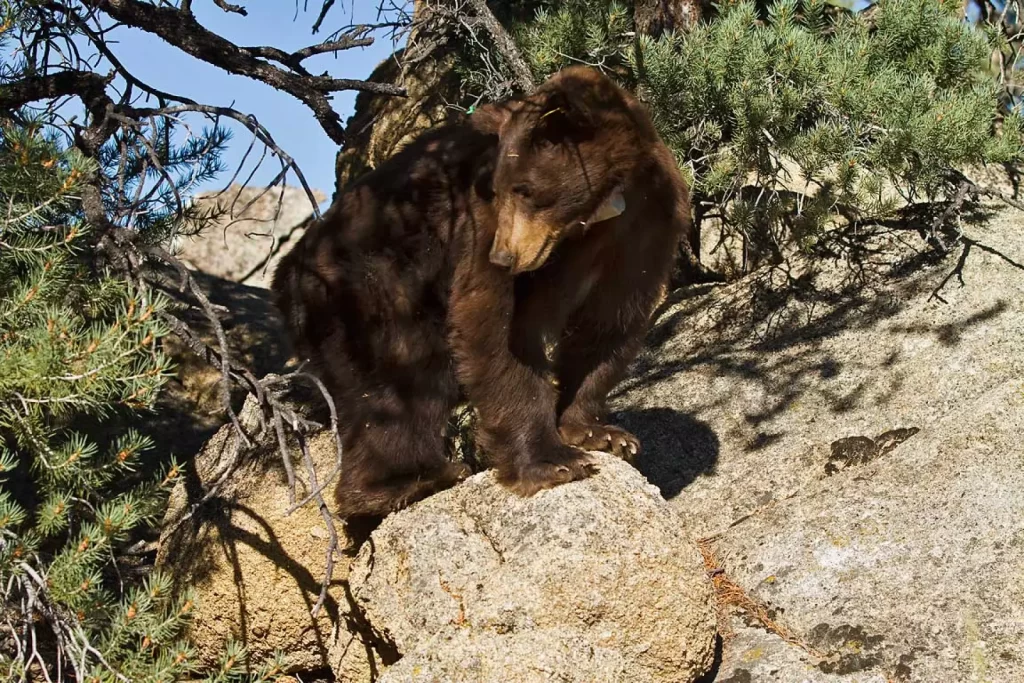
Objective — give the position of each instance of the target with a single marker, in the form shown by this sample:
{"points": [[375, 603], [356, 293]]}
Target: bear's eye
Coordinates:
{"points": [[523, 190]]}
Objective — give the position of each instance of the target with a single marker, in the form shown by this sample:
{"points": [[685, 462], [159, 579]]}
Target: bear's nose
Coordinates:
{"points": [[500, 257]]}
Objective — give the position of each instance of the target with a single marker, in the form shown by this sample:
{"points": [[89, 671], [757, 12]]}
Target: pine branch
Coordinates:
{"points": [[20, 92], [130, 258], [105, 350], [324, 9], [90, 87], [227, 7]]}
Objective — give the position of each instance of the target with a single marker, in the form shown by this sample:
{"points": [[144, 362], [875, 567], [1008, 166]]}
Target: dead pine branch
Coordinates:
{"points": [[730, 595], [504, 44], [179, 27], [276, 419]]}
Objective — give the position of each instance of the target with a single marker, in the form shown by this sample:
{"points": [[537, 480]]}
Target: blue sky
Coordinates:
{"points": [[278, 24]]}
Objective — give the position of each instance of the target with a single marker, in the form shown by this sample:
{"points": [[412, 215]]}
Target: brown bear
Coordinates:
{"points": [[514, 257]]}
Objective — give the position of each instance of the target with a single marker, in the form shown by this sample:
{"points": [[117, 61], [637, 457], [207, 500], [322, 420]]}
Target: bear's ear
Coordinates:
{"points": [[560, 119], [494, 116]]}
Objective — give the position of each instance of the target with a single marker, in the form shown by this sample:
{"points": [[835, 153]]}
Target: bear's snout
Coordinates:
{"points": [[501, 257]]}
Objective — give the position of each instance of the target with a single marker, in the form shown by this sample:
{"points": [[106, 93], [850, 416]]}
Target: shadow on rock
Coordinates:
{"points": [[780, 335], [677, 448], [256, 568]]}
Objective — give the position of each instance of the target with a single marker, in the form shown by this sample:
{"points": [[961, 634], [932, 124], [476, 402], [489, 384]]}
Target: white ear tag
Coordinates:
{"points": [[614, 206]]}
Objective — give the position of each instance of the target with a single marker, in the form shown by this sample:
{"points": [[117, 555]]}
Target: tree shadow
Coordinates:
{"points": [[215, 538], [676, 448], [269, 546], [770, 332]]}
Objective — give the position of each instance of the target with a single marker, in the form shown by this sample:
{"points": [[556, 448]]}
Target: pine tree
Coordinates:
{"points": [[75, 347], [873, 111], [80, 362]]}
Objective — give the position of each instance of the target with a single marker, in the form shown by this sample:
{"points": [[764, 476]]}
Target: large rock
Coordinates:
{"points": [[847, 435], [909, 566], [843, 437], [743, 390], [191, 408], [539, 655], [256, 570], [592, 581], [254, 228]]}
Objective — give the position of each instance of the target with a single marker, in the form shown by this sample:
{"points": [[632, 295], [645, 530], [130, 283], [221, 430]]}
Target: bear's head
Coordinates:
{"points": [[565, 154]]}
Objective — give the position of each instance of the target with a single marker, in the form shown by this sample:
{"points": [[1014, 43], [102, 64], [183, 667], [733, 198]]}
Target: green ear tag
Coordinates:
{"points": [[472, 108]]}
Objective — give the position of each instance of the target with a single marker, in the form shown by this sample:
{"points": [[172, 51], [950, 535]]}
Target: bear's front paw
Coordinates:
{"points": [[604, 438], [559, 466]]}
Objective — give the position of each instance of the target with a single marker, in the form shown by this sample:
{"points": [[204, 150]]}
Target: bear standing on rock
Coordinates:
{"points": [[548, 222]]}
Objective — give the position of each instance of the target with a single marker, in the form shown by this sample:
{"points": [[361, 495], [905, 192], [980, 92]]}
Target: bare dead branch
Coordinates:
{"points": [[355, 38], [250, 122], [182, 30], [222, 340], [954, 208], [324, 9], [275, 249], [505, 45], [332, 544], [337, 438], [997, 194], [282, 441], [91, 87], [99, 42], [227, 7]]}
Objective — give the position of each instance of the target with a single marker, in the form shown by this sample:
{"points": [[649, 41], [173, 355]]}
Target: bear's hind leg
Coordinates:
{"points": [[379, 499], [394, 445]]}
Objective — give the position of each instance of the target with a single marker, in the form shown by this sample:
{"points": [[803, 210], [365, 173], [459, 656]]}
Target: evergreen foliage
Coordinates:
{"points": [[80, 358], [599, 34], [76, 347], [801, 113]]}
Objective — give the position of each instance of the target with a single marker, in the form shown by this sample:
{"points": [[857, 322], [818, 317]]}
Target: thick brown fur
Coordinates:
{"points": [[456, 266]]}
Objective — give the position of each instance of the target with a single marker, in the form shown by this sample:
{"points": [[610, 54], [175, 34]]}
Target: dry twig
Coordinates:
{"points": [[729, 594]]}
